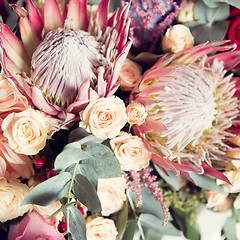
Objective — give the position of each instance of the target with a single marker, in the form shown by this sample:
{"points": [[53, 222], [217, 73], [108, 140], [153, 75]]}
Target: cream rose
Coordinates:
{"points": [[111, 193], [26, 131], [234, 153], [136, 113], [104, 117], [130, 151], [176, 38], [130, 75], [236, 203], [12, 193], [218, 201], [234, 178], [100, 228], [186, 13]]}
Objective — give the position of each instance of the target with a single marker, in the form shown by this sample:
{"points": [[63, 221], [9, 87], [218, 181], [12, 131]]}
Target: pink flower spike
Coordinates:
{"points": [[35, 18], [29, 37], [101, 14], [52, 16]]}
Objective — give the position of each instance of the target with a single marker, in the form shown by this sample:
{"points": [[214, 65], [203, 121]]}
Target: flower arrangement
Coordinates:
{"points": [[119, 120]]}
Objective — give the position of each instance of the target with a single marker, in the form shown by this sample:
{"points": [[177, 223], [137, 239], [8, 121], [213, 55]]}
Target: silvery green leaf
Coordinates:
{"points": [[234, 3], [130, 229], [86, 194], [121, 219], [229, 229], [155, 223], [76, 223], [49, 191], [102, 159]]}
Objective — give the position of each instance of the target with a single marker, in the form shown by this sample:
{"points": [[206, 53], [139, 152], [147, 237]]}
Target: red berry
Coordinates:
{"points": [[43, 178], [39, 162], [80, 209], [51, 173], [62, 227]]}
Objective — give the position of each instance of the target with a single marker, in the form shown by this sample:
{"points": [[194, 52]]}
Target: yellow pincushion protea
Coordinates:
{"points": [[191, 105]]}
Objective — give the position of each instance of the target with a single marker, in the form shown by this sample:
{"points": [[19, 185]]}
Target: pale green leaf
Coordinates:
{"points": [[130, 230], [229, 229], [234, 3], [155, 223], [86, 194], [121, 219], [49, 191], [76, 223]]}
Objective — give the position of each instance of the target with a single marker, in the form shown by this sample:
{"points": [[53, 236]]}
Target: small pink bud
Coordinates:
{"points": [[39, 162]]}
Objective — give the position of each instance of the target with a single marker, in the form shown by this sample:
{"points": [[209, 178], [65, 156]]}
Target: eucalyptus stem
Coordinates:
{"points": [[216, 13], [135, 215]]}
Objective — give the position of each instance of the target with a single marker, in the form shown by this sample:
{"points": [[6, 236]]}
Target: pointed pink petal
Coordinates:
{"points": [[83, 13], [152, 125], [112, 19], [35, 18], [149, 89], [52, 16], [212, 172], [189, 168], [163, 163], [101, 85], [122, 38], [122, 16], [101, 15], [73, 18], [29, 37]]}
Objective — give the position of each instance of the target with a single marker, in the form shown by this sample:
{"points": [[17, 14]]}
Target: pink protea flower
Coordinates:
{"points": [[191, 105], [66, 58]]}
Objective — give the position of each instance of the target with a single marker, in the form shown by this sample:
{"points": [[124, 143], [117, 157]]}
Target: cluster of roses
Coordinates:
{"points": [[24, 133]]}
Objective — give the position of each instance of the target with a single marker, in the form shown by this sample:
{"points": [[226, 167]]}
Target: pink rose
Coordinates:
{"points": [[12, 164], [32, 227], [10, 99], [136, 113], [12, 193], [130, 151], [111, 192], [100, 228], [26, 131], [104, 117], [130, 75]]}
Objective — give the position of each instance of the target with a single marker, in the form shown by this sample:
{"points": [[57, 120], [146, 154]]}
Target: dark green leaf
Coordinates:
{"points": [[229, 229], [206, 182], [102, 160], [86, 194], [130, 230], [155, 223], [121, 220], [49, 191], [203, 32], [76, 223]]}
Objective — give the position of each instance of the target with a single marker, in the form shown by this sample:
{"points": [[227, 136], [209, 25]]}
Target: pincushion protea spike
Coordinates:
{"points": [[67, 58], [191, 106]]}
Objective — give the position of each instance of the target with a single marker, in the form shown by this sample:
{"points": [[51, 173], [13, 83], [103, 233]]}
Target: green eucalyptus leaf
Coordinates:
{"points": [[192, 229], [229, 229], [102, 160], [130, 230], [234, 3], [86, 194], [155, 223], [151, 234], [62, 209], [172, 179], [206, 182], [49, 191], [212, 3], [68, 157], [121, 219], [215, 32], [76, 223], [207, 15]]}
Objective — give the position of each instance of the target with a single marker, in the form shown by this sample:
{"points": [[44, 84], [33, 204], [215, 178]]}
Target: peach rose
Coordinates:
{"points": [[218, 201], [26, 131], [234, 178], [100, 228], [177, 38], [136, 113], [12, 193], [10, 99], [130, 75], [12, 164], [104, 117], [130, 151], [111, 192]]}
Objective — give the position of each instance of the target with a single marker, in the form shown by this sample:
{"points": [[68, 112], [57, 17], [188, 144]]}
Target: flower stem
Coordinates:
{"points": [[216, 13]]}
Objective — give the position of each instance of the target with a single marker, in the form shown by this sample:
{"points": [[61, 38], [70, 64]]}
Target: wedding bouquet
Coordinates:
{"points": [[119, 120]]}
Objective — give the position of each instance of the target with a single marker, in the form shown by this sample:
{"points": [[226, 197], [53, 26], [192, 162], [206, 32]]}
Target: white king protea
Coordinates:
{"points": [[191, 105], [66, 57]]}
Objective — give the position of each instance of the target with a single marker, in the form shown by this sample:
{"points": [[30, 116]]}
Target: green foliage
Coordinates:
{"points": [[216, 3], [229, 229]]}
